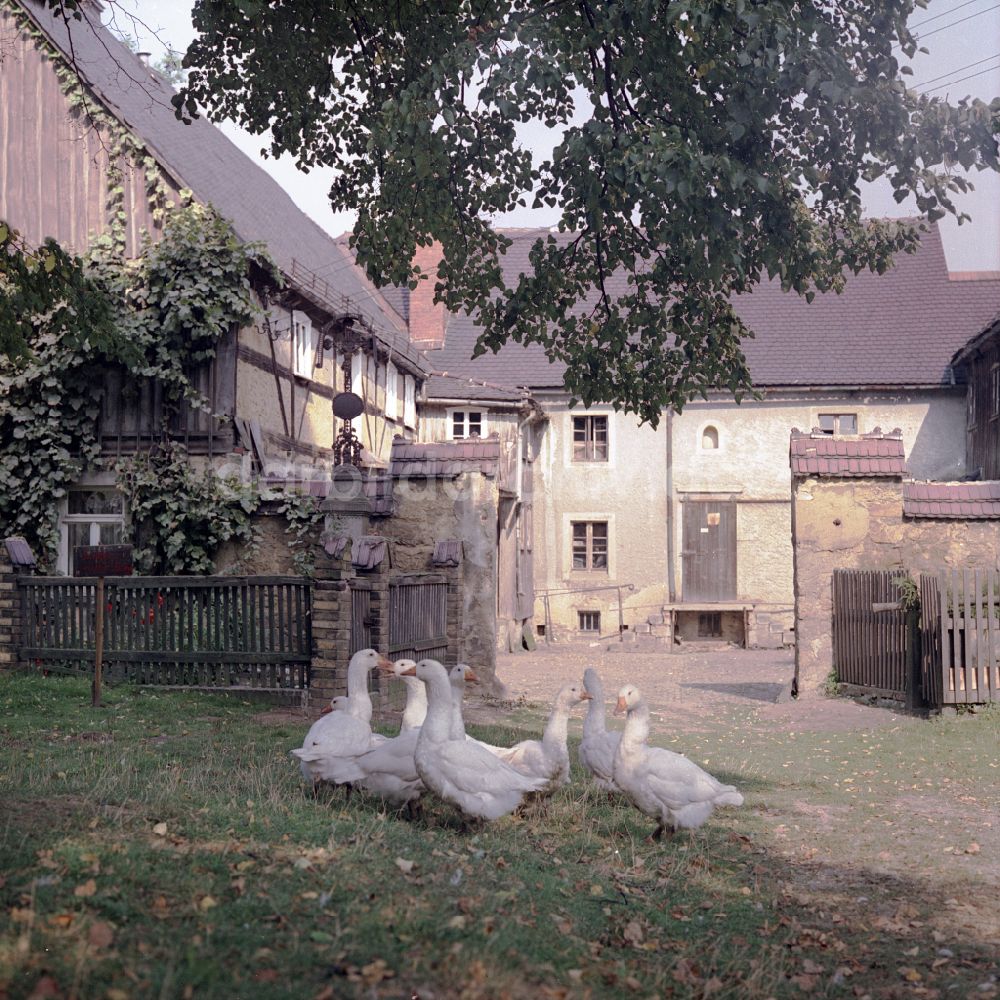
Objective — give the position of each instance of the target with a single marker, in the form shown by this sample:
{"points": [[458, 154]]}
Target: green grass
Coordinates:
{"points": [[163, 846]]}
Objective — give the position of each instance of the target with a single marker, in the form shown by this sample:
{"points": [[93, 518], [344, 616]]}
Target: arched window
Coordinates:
{"points": [[710, 438]]}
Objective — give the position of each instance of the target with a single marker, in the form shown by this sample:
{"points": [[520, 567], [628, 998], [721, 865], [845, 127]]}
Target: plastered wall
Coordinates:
{"points": [[859, 524]]}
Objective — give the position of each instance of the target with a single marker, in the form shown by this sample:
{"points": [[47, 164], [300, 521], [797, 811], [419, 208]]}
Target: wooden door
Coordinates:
{"points": [[708, 553]]}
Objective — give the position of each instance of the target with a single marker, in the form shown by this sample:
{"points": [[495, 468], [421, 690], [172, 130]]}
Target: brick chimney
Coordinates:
{"points": [[428, 318]]}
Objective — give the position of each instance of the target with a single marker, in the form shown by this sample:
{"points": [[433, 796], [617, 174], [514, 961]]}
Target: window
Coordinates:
{"points": [[409, 401], [710, 439], [304, 339], [590, 621], [710, 624], [93, 516], [590, 439], [590, 545], [391, 392], [838, 423], [466, 423]]}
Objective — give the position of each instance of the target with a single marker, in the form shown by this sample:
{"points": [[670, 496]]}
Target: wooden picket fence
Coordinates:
{"points": [[958, 635], [197, 632]]}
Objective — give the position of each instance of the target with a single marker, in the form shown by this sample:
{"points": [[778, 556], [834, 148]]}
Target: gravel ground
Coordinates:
{"points": [[692, 689]]}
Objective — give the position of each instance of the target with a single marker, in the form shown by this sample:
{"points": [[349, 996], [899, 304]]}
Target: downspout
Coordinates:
{"points": [[669, 456]]}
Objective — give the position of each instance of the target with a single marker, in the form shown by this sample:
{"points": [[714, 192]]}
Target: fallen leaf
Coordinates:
{"points": [[85, 889], [160, 829], [633, 933], [910, 974], [206, 903], [457, 922], [44, 988], [265, 976], [973, 848], [404, 866], [100, 934], [61, 919]]}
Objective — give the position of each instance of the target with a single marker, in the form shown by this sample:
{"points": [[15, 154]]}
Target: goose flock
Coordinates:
{"points": [[432, 752]]}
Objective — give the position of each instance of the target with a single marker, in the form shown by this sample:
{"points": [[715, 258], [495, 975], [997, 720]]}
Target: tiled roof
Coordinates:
{"points": [[200, 157], [967, 501], [896, 329], [989, 332], [368, 551], [875, 454], [19, 552], [450, 387], [447, 552], [376, 487], [444, 459], [336, 545]]}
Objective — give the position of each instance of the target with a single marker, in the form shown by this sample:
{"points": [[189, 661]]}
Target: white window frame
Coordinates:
{"points": [[102, 483], [837, 416], [391, 391], [410, 402], [590, 417], [464, 413], [304, 343]]}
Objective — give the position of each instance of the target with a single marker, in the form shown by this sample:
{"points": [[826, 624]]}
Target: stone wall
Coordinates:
{"points": [[859, 524], [465, 507]]}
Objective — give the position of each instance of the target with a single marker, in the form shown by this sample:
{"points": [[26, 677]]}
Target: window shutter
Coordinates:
{"points": [[409, 401], [357, 367], [391, 392], [303, 344]]}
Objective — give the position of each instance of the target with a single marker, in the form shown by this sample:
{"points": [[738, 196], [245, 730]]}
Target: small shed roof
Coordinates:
{"points": [[875, 454], [965, 501], [447, 552], [369, 551], [445, 459]]}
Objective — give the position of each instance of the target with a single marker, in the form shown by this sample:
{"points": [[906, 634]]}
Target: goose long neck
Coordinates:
{"points": [[594, 722], [357, 690], [438, 721], [636, 726], [416, 703], [557, 726], [457, 719]]}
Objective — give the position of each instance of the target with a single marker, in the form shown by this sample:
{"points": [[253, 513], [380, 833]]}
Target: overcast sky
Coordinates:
{"points": [[963, 37]]}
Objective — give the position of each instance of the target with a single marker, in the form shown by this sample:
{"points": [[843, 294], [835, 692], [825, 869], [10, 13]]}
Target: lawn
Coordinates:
{"points": [[164, 846]]}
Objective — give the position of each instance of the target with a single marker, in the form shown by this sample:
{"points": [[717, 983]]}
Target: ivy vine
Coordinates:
{"points": [[154, 318], [179, 517], [304, 524]]}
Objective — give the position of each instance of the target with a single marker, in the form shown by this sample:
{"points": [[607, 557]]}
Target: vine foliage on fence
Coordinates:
{"points": [[159, 316]]}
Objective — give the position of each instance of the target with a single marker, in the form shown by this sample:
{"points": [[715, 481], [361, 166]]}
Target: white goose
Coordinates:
{"points": [[675, 791], [460, 771], [343, 732], [548, 758], [415, 710], [598, 746], [460, 675]]}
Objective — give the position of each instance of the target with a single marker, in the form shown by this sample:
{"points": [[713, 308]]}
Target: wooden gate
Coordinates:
{"points": [[869, 646], [418, 618], [202, 632], [708, 555], [362, 632], [966, 617]]}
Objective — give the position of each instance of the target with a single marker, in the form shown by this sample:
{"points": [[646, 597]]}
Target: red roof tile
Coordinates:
{"points": [[967, 501], [444, 458], [875, 454]]}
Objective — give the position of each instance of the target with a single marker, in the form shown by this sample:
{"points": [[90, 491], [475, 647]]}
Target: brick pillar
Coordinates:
{"points": [[11, 612], [331, 630], [453, 574]]}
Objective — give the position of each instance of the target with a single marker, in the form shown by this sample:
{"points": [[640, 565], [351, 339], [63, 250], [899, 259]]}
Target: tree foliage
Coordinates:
{"points": [[702, 147]]}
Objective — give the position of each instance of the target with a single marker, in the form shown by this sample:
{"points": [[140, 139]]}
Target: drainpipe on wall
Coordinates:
{"points": [[669, 455]]}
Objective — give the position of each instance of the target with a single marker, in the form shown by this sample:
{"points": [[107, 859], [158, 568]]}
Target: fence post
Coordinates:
{"points": [[331, 629], [914, 681], [11, 611]]}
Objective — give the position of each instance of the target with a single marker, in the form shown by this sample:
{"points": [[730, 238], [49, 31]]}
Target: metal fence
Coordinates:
{"points": [[202, 632]]}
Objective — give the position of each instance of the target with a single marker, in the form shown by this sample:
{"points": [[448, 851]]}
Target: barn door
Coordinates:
{"points": [[708, 554]]}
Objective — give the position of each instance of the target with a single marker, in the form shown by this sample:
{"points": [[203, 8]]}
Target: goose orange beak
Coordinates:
{"points": [[384, 664], [471, 677], [586, 696], [621, 708], [409, 672], [327, 710]]}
